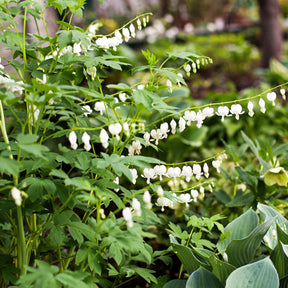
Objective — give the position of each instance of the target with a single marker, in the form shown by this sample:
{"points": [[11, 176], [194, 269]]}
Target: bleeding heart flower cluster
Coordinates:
{"points": [[198, 117], [126, 33]]}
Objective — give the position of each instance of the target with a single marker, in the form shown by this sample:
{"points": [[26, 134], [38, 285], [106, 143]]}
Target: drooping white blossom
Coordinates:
{"points": [[16, 195], [127, 215], [73, 140], [208, 112], [173, 126], [139, 24], [282, 92], [262, 105], [197, 171], [187, 173], [164, 128], [126, 34], [126, 128], [149, 174], [104, 137], [223, 111], [206, 170], [122, 97], [236, 109], [86, 141], [135, 148], [132, 30], [185, 198], [250, 107], [92, 71], [115, 129], [199, 118], [99, 107], [136, 206], [189, 116], [216, 164], [87, 110], [134, 174], [147, 199], [194, 194], [147, 138], [182, 124], [160, 170], [272, 97], [174, 172], [156, 135], [77, 48], [187, 69]]}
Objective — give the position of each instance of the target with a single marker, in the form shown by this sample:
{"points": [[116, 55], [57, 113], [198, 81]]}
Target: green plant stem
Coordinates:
{"points": [[22, 250]]}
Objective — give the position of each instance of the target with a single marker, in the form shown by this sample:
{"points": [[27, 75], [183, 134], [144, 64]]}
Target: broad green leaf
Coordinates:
{"points": [[186, 256], [239, 228], [121, 86], [260, 274], [220, 268], [59, 174], [70, 281], [177, 283], [241, 252], [193, 136], [266, 213], [204, 279], [276, 176], [9, 166]]}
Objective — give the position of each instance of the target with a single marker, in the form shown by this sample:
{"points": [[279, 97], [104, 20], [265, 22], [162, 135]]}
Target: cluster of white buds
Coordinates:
{"points": [[127, 33]]}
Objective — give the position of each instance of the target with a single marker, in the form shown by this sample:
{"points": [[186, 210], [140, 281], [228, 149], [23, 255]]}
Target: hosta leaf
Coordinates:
{"points": [[267, 213], [241, 251], [220, 268], [177, 283], [204, 279], [239, 228], [260, 274]]}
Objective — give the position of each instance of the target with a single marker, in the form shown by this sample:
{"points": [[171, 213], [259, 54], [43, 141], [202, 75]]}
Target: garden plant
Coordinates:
{"points": [[98, 181]]}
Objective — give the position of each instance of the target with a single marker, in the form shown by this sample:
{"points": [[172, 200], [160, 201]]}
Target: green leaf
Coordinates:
{"points": [[204, 279], [239, 228], [260, 274], [115, 252], [59, 173], [220, 268], [177, 283], [70, 280], [241, 252], [193, 136], [267, 213], [9, 166], [121, 86], [186, 256], [276, 176]]}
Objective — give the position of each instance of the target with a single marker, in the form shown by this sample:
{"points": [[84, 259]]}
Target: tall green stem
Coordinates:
{"points": [[22, 251]]}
